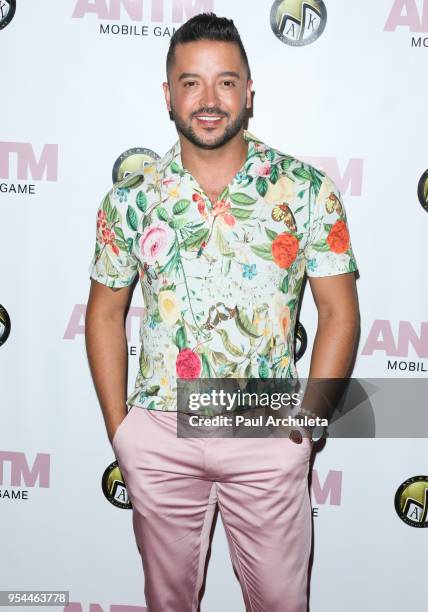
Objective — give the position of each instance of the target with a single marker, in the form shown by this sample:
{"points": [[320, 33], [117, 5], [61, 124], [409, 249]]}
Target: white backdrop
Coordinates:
{"points": [[351, 103]]}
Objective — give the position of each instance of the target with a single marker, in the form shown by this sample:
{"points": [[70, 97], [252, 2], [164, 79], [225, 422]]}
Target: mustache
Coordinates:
{"points": [[210, 111]]}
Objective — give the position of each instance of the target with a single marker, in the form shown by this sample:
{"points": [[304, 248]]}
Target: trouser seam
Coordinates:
{"points": [[239, 562], [198, 572]]}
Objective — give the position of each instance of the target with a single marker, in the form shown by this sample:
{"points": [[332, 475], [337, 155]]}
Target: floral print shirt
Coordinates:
{"points": [[221, 282]]}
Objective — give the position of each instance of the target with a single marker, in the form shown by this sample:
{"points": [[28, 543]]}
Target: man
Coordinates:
{"points": [[220, 233]]}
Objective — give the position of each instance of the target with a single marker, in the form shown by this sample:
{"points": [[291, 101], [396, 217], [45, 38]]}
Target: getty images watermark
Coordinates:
{"points": [[316, 407]]}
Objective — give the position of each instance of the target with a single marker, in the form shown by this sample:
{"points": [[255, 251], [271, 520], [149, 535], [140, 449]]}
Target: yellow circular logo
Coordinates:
{"points": [[131, 161], [411, 501], [298, 22], [114, 488]]}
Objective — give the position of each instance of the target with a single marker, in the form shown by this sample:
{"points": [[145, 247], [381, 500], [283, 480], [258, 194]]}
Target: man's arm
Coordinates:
{"points": [[107, 349], [334, 346], [338, 325]]}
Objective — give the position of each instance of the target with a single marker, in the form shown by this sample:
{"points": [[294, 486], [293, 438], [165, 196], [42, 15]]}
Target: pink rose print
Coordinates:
{"points": [[188, 364], [264, 169], [153, 243]]}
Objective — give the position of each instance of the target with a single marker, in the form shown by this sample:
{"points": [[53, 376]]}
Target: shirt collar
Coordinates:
{"points": [[174, 154]]}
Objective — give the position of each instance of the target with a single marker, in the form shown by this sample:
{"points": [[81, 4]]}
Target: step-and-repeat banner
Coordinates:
{"points": [[340, 84]]}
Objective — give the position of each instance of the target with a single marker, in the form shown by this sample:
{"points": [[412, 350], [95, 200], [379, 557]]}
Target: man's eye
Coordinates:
{"points": [[189, 83], [229, 83]]}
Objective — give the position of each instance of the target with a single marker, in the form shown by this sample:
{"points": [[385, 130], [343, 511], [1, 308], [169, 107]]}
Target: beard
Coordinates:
{"points": [[231, 130]]}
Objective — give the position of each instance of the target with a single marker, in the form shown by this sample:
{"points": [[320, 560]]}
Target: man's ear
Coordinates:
{"points": [[167, 95], [249, 93]]}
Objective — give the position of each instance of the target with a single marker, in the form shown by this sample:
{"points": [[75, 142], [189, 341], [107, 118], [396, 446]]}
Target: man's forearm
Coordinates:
{"points": [[106, 347], [331, 361], [334, 347]]}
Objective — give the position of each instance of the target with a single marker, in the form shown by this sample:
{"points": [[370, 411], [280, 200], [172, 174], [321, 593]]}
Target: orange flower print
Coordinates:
{"points": [[220, 209], [199, 200], [338, 238], [284, 249], [105, 234]]}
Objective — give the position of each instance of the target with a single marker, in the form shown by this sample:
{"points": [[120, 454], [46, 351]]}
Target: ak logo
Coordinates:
{"points": [[4, 325], [114, 488], [298, 22], [7, 12], [411, 501], [423, 190], [131, 161]]}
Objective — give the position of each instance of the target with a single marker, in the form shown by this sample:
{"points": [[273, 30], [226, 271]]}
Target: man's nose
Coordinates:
{"points": [[210, 96]]}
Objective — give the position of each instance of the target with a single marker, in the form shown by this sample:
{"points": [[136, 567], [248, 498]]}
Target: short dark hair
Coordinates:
{"points": [[206, 26]]}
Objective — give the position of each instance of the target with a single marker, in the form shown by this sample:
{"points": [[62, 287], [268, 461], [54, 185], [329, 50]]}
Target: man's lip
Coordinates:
{"points": [[209, 116]]}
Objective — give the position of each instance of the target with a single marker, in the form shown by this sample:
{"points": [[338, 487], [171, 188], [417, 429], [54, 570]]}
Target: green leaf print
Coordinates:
{"points": [[284, 284], [241, 213], [162, 213], [327, 227], [132, 218], [322, 245], [228, 345], [206, 368], [195, 240], [175, 168], [219, 358], [243, 324], [264, 251], [177, 223], [130, 243], [286, 163], [107, 205], [181, 338], [262, 186], [224, 193], [119, 233], [147, 220], [270, 233], [146, 367], [226, 265], [242, 199], [263, 369], [132, 182], [153, 390], [221, 243], [274, 174], [270, 155], [108, 267], [123, 246], [302, 173], [141, 201], [247, 372], [351, 265], [180, 207]]}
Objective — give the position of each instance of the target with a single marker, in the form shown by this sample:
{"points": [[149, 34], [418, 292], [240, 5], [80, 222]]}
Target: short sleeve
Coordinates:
{"points": [[114, 262], [328, 250]]}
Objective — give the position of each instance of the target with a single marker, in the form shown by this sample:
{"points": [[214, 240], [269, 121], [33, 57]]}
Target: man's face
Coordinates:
{"points": [[208, 92]]}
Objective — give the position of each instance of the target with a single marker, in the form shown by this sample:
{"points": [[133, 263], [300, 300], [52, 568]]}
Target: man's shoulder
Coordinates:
{"points": [[290, 163]]}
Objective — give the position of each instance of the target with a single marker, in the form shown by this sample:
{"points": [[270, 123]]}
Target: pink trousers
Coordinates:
{"points": [[174, 484]]}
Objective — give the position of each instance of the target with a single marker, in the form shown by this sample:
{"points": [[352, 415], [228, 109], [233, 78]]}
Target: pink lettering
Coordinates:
{"points": [[99, 7], [182, 10], [410, 18], [21, 472], [332, 488], [407, 336], [27, 164], [351, 180]]}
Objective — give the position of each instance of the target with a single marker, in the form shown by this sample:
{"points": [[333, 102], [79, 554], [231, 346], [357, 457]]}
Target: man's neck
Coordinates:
{"points": [[214, 168]]}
